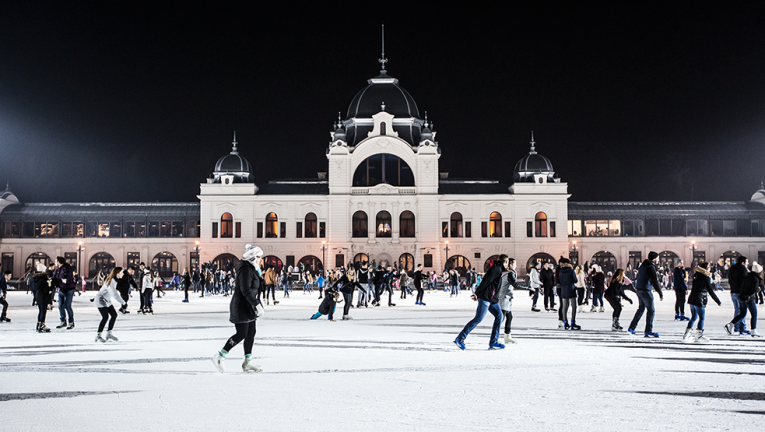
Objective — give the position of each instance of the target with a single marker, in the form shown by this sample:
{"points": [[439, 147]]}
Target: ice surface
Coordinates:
{"points": [[388, 369]]}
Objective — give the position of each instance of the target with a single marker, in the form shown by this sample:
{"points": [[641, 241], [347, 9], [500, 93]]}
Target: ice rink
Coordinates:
{"points": [[387, 369]]}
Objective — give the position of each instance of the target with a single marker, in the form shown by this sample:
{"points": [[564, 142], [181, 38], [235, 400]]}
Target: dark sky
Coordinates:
{"points": [[135, 102]]}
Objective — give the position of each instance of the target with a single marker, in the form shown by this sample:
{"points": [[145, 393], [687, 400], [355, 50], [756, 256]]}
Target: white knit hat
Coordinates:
{"points": [[252, 253], [756, 267], [41, 267]]}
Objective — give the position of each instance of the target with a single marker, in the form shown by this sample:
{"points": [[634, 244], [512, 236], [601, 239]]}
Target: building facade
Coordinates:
{"points": [[382, 198]]}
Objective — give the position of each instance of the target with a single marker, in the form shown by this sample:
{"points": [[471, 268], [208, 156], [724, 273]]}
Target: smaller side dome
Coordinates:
{"points": [[759, 196], [533, 164], [234, 165]]}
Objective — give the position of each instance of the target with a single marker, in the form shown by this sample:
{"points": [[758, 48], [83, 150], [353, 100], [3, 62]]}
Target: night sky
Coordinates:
{"points": [[135, 102]]}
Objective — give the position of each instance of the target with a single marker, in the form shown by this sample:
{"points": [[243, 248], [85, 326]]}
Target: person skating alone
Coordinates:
{"points": [[104, 304], [547, 276], [700, 287], [748, 298], [3, 293], [736, 275], [535, 284], [328, 305], [63, 279], [43, 292], [614, 295], [148, 288], [681, 288], [487, 296], [646, 281], [598, 288], [418, 280], [244, 309]]}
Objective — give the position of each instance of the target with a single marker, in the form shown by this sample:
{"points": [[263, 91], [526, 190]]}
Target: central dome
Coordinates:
{"points": [[233, 164], [382, 94], [533, 164]]}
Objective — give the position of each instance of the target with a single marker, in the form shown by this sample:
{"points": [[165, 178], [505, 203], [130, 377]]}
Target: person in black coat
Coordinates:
{"points": [[418, 282], [547, 276], [43, 292], [487, 296], [614, 295], [747, 297], [243, 309], [702, 284], [327, 306], [736, 275], [680, 287]]}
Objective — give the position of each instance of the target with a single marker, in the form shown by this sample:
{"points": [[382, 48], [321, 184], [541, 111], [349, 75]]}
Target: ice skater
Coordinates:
{"points": [[568, 281], [701, 285], [507, 285], [614, 295], [747, 298], [328, 305], [104, 304], [3, 292], [418, 280], [244, 309], [148, 289], [646, 281], [487, 296], [42, 290]]}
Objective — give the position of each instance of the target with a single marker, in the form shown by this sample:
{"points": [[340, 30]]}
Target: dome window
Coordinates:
{"points": [[383, 168]]}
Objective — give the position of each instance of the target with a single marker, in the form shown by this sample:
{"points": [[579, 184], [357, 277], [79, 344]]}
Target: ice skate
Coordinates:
{"points": [[574, 326], [111, 337], [70, 326], [99, 338], [347, 317], [62, 325], [593, 309], [756, 334], [689, 336], [509, 339], [41, 328], [729, 328], [560, 325], [217, 360], [5, 319], [248, 366], [496, 346], [700, 337], [615, 325]]}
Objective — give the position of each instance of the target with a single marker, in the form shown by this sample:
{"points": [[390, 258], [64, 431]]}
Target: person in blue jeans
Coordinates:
{"points": [[736, 276], [63, 278], [748, 301], [701, 286], [647, 280], [487, 296]]}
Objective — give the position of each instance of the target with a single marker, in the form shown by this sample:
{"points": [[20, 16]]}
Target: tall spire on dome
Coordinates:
{"points": [[234, 143], [533, 148], [382, 59]]}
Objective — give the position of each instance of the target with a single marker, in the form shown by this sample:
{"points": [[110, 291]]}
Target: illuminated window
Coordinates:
{"points": [[540, 225], [272, 225], [383, 224], [456, 224], [495, 225]]}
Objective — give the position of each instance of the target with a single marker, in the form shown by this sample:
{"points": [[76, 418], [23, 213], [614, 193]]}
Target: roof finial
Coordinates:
{"points": [[382, 106], [8, 186], [383, 60], [533, 149], [234, 142], [762, 183]]}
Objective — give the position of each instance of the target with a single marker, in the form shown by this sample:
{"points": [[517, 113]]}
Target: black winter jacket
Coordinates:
{"points": [[701, 286], [736, 276], [567, 279], [489, 288], [42, 289], [328, 304], [750, 287], [245, 298], [615, 291], [547, 276]]}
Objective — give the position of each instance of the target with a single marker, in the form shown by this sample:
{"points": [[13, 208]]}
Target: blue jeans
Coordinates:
{"points": [[752, 306], [480, 313], [697, 312], [645, 303], [65, 305], [738, 306], [596, 298], [454, 290]]}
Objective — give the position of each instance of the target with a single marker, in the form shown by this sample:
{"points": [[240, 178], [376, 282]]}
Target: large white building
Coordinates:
{"points": [[382, 197]]}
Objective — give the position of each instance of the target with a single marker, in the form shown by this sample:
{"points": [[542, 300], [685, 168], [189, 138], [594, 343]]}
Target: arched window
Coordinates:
{"points": [[489, 261], [459, 263], [311, 263], [383, 168], [165, 263], [360, 224], [273, 261], [455, 221], [227, 225], [272, 225], [101, 261], [406, 262], [37, 257], [310, 225], [225, 262], [406, 224], [361, 258], [540, 225], [495, 225], [383, 224], [540, 258], [606, 260]]}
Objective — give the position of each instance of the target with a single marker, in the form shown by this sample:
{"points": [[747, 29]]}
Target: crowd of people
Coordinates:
{"points": [[252, 281]]}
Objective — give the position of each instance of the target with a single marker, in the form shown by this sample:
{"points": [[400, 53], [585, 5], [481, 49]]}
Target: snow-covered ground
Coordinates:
{"points": [[387, 369]]}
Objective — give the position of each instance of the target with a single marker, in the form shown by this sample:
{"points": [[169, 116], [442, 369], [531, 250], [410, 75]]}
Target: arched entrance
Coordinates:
{"points": [[606, 260], [361, 258], [225, 262], [668, 259], [540, 258], [101, 261], [459, 263], [37, 257], [406, 262], [311, 263], [273, 261], [165, 263], [488, 262]]}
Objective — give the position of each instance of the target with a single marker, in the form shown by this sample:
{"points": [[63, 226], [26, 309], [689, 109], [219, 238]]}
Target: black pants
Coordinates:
{"points": [[580, 296], [185, 293], [147, 299], [270, 289], [508, 320], [680, 302], [42, 311], [140, 297], [617, 305], [5, 307], [348, 299], [549, 296], [107, 312], [560, 307], [125, 296], [420, 294], [244, 331]]}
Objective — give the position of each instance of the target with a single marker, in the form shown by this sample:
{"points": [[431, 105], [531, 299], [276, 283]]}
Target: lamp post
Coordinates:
{"points": [[196, 249], [323, 257], [574, 253], [447, 253], [693, 256], [79, 260]]}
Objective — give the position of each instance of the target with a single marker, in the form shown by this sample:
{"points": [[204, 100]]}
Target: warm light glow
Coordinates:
{"points": [[323, 242], [197, 242], [447, 242], [574, 242], [693, 241], [80, 243]]}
